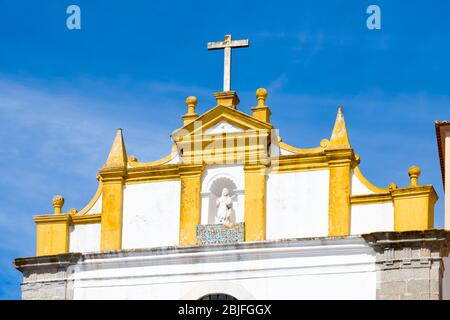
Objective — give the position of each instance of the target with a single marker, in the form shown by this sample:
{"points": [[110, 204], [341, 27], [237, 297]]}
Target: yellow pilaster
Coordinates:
{"points": [[414, 205], [340, 162], [52, 234], [112, 176], [255, 202], [191, 177], [112, 203]]}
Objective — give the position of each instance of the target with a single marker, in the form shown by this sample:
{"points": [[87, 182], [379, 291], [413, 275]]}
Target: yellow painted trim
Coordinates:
{"points": [[168, 172], [112, 207], [414, 208], [190, 203], [340, 163], [87, 219], [52, 234], [92, 202], [217, 114], [371, 198], [117, 157], [234, 119], [367, 183], [339, 137], [229, 149], [162, 161], [324, 143], [299, 162], [255, 202]]}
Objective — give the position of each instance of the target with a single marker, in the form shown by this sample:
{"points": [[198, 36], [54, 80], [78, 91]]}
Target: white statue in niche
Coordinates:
{"points": [[224, 207]]}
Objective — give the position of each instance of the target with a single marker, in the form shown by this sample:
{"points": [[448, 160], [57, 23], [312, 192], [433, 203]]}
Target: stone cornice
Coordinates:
{"points": [[87, 218], [253, 248], [59, 260], [382, 240], [409, 192], [340, 156], [52, 218]]}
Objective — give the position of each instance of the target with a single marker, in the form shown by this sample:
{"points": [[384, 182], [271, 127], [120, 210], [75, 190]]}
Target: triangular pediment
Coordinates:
{"points": [[221, 119], [223, 127]]}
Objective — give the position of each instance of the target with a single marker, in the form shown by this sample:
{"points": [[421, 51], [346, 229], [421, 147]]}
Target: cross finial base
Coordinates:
{"points": [[227, 99]]}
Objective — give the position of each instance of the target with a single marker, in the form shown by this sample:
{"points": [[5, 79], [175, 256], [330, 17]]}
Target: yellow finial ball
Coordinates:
{"points": [[191, 101], [58, 201], [414, 171], [261, 93]]}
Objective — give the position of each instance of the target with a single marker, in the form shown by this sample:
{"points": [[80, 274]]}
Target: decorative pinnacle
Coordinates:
{"points": [[58, 202], [414, 173], [117, 157], [261, 95], [339, 137], [191, 103]]}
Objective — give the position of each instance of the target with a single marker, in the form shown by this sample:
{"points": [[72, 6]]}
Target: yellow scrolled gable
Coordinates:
{"points": [[252, 143]]}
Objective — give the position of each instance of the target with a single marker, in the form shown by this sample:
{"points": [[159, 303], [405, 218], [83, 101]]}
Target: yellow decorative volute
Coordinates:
{"points": [[392, 186], [58, 203], [414, 173], [132, 159]]}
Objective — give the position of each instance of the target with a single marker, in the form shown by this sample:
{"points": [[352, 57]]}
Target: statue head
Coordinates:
{"points": [[225, 192]]}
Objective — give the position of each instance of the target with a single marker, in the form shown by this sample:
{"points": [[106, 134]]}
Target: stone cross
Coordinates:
{"points": [[227, 45]]}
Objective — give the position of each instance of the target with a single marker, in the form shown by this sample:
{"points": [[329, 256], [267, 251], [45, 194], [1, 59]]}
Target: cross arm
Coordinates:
{"points": [[222, 44]]}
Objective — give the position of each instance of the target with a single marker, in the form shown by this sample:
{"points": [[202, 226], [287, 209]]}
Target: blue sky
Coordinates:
{"points": [[63, 93]]}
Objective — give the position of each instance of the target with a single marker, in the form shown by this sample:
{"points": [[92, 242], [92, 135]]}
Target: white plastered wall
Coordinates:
{"points": [[322, 269], [97, 207], [367, 218], [358, 188], [151, 214], [84, 237], [297, 204]]}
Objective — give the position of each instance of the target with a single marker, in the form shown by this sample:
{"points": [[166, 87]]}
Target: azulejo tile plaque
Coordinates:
{"points": [[220, 233]]}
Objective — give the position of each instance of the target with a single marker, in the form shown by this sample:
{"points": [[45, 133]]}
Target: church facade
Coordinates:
{"points": [[234, 211]]}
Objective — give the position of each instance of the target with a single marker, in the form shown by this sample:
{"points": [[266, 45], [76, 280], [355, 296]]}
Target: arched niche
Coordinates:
{"points": [[214, 193], [214, 181]]}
